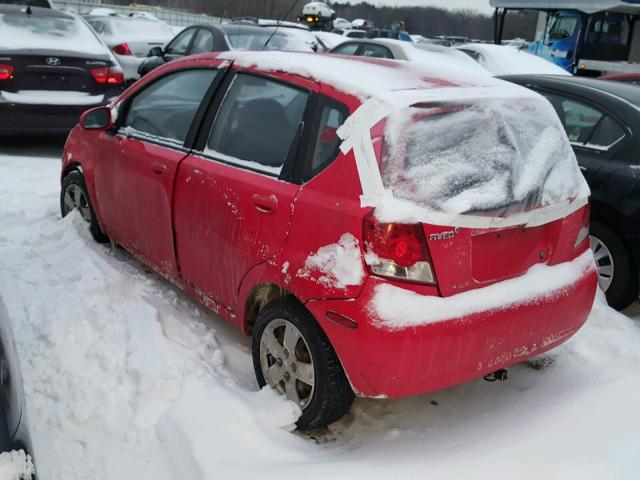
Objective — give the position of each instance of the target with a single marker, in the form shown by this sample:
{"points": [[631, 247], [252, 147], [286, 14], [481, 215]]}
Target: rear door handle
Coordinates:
{"points": [[265, 203], [158, 168]]}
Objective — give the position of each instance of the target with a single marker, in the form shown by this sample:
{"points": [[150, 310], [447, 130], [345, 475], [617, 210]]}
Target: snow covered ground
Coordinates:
{"points": [[126, 378]]}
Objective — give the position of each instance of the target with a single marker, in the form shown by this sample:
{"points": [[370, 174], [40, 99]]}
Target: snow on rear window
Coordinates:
{"points": [[28, 32], [501, 156]]}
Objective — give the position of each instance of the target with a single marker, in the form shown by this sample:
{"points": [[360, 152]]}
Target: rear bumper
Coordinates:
{"points": [[30, 119], [382, 362]]}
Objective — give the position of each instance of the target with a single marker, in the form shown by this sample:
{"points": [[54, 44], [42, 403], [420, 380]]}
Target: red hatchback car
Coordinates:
{"points": [[379, 228]]}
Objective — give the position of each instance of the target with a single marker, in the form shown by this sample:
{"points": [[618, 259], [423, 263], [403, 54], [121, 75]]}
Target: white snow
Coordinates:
{"points": [[126, 379], [505, 60], [360, 77], [50, 97], [338, 265], [35, 32], [398, 308], [504, 154], [15, 465]]}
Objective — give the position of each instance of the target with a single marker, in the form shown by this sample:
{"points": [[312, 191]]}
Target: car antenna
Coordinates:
{"points": [[275, 30], [28, 10]]}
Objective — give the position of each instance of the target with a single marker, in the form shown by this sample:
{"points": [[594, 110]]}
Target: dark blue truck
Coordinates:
{"points": [[584, 37]]}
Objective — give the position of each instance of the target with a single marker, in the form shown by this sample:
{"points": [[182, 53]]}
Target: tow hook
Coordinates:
{"points": [[498, 376]]}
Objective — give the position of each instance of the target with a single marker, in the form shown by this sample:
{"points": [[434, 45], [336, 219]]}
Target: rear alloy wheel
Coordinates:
{"points": [[617, 275], [74, 196], [292, 354]]}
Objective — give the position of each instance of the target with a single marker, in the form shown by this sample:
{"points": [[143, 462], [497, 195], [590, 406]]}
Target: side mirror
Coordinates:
{"points": [[96, 119], [156, 52]]}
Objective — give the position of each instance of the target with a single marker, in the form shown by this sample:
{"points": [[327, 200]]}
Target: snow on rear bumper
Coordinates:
{"points": [[427, 354]]}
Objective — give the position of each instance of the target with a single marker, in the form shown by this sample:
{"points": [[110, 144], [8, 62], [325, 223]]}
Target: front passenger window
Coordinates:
{"points": [[258, 124], [165, 109]]}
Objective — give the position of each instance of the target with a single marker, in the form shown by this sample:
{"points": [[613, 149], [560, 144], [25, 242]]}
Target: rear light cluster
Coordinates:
{"points": [[6, 71], [583, 233], [110, 75], [122, 49], [397, 250]]}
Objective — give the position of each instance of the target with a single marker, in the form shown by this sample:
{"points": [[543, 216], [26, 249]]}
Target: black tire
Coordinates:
{"points": [[332, 395], [623, 290], [75, 179]]}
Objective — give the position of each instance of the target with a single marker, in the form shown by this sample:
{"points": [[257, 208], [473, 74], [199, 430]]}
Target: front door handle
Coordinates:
{"points": [[265, 203], [158, 168]]}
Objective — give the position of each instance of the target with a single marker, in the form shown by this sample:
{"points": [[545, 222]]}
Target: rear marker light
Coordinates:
{"points": [[122, 49], [397, 250], [583, 233], [341, 319], [6, 72]]}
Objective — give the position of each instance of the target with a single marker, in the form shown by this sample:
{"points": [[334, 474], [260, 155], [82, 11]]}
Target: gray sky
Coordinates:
{"points": [[481, 5]]}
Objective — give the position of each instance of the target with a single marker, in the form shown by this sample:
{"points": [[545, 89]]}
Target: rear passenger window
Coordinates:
{"points": [[165, 109], [347, 49], [258, 124], [327, 142], [377, 51], [584, 124], [607, 133]]}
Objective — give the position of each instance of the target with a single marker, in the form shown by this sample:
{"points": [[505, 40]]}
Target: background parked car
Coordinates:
{"points": [[414, 52], [241, 35], [504, 60], [632, 78], [131, 39], [14, 430], [602, 120], [53, 66]]}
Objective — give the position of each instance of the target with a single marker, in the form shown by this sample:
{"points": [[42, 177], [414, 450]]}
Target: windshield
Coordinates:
{"points": [[19, 31], [499, 156], [141, 28], [291, 39]]}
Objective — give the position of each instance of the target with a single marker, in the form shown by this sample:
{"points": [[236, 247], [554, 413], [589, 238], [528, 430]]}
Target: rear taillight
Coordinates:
{"points": [[110, 75], [397, 250], [583, 233], [122, 49], [6, 71]]}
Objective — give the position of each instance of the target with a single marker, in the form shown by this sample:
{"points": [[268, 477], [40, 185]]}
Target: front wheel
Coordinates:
{"points": [[74, 196], [292, 354]]}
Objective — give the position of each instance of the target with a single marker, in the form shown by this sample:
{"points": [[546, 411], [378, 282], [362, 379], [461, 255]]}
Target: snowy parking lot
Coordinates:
{"points": [[127, 378]]}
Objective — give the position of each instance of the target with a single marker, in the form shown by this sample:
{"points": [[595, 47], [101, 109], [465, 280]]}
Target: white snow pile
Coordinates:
{"points": [[19, 31], [339, 265], [359, 76], [504, 155], [397, 308], [126, 379], [505, 60], [16, 465], [50, 97]]}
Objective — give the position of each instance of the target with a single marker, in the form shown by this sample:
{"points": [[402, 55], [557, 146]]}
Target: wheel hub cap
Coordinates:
{"points": [[286, 363], [74, 198], [604, 262]]}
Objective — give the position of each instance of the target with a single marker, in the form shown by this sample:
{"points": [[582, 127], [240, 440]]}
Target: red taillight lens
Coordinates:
{"points": [[122, 49], [397, 250], [112, 75], [6, 71]]}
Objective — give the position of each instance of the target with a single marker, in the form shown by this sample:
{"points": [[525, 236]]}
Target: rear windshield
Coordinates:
{"points": [[19, 31], [497, 156], [140, 28], [298, 40]]}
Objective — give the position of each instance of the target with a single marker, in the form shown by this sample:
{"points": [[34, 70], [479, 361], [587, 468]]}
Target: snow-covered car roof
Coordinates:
{"points": [[506, 60], [425, 53], [367, 77]]}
